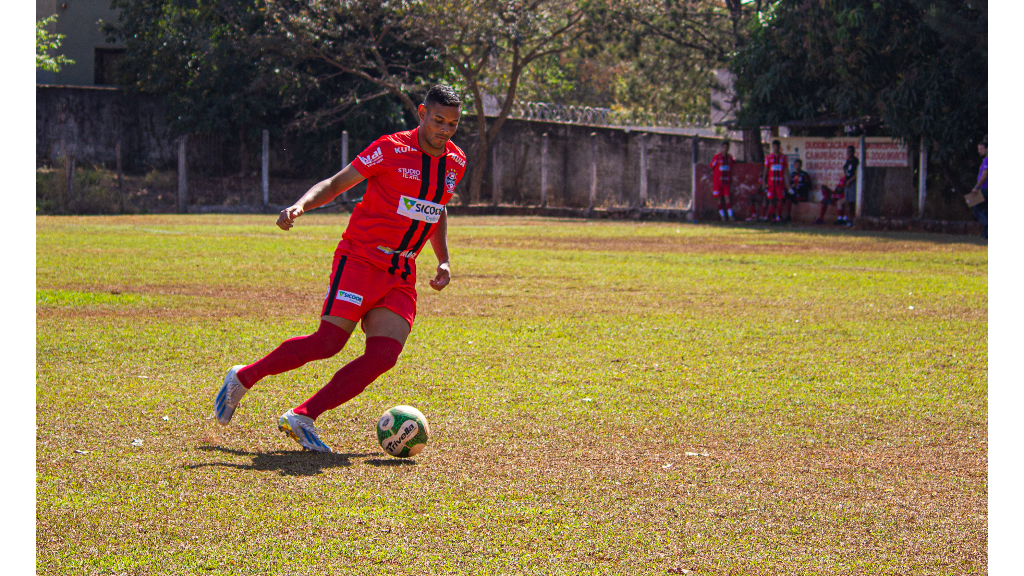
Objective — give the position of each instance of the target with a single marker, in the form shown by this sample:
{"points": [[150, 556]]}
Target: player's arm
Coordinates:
{"points": [[321, 193], [439, 242], [764, 176]]}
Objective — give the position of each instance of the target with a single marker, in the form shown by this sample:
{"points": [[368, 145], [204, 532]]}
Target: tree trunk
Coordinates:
{"points": [[753, 151]]}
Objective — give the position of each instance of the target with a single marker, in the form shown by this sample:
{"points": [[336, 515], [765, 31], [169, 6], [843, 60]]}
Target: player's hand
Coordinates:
{"points": [[287, 218], [444, 276]]}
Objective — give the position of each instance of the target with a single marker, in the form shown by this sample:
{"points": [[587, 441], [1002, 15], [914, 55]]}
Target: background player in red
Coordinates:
{"points": [[775, 178], [410, 177], [843, 194], [721, 170]]}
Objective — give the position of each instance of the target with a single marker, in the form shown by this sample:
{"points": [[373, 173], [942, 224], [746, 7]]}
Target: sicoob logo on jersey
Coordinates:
{"points": [[422, 210], [449, 181]]}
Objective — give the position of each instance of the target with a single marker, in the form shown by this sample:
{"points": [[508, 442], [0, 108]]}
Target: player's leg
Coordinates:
{"points": [[386, 333], [826, 198], [728, 206]]}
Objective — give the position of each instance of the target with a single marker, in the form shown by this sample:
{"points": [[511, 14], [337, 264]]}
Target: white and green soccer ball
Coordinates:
{"points": [[403, 431]]}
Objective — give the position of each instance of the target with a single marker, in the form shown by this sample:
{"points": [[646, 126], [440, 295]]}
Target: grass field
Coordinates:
{"points": [[605, 398]]}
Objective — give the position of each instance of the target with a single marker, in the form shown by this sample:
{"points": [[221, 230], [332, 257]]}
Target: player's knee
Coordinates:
{"points": [[383, 352]]}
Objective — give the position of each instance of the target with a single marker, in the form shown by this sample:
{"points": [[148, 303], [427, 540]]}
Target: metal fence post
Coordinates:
{"points": [[344, 149], [860, 179], [643, 170], [182, 176], [922, 182], [496, 174], [593, 170], [266, 167], [544, 171], [693, 175]]}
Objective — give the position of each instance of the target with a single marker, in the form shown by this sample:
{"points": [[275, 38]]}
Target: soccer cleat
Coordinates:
{"points": [[228, 397], [819, 221], [839, 222], [301, 429]]}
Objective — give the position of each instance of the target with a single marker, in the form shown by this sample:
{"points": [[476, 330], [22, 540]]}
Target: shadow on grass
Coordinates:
{"points": [[382, 462], [284, 462]]}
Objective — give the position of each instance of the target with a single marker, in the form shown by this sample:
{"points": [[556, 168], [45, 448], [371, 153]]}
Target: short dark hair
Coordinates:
{"points": [[798, 160], [776, 143], [854, 148], [442, 94]]}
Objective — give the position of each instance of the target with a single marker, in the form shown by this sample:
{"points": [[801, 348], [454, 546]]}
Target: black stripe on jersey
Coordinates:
{"points": [[428, 228], [424, 187], [334, 286]]}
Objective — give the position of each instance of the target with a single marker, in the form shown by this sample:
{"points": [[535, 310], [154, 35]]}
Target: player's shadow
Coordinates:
{"points": [[382, 462], [284, 462]]}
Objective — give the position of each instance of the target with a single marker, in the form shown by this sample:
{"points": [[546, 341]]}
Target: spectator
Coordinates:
{"points": [[980, 208], [799, 189], [844, 195], [721, 170]]}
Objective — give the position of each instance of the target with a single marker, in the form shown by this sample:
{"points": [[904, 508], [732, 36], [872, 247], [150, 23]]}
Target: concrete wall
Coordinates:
{"points": [[87, 122], [78, 21], [669, 161]]}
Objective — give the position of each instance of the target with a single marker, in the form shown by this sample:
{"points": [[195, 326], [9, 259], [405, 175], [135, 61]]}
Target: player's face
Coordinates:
{"points": [[798, 164], [849, 153], [438, 124], [983, 149], [725, 148], [776, 149]]}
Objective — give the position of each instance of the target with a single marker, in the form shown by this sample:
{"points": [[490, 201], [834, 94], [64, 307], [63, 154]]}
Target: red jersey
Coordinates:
{"points": [[406, 191], [721, 167], [778, 169]]}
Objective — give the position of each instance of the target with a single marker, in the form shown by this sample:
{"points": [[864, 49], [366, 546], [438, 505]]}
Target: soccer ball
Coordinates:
{"points": [[403, 431]]}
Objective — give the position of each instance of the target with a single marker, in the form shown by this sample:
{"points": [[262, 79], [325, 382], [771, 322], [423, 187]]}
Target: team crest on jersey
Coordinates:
{"points": [[376, 158], [422, 210], [457, 158], [403, 149], [450, 180]]}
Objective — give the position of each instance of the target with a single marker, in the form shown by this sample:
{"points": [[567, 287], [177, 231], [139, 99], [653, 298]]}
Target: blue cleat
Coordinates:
{"points": [[228, 397], [301, 429]]}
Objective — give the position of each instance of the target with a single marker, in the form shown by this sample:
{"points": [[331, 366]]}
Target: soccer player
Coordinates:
{"points": [[721, 169], [799, 188], [843, 194], [774, 178], [410, 177]]}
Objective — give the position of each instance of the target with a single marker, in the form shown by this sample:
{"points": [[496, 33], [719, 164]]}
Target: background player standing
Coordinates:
{"points": [[411, 176], [721, 170], [799, 188], [842, 196], [774, 176]]}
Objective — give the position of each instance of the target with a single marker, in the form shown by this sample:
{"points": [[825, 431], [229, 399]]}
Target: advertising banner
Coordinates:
{"points": [[823, 158]]}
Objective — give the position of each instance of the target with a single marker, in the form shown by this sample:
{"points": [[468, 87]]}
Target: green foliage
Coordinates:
{"points": [[47, 42], [922, 67]]}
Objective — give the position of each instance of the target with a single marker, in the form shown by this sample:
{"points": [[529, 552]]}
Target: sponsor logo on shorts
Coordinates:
{"points": [[458, 160], [410, 173], [404, 149], [376, 158], [450, 181], [350, 297], [389, 251], [724, 168], [422, 210]]}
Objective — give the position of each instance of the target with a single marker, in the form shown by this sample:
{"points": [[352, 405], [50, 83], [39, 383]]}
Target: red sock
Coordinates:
{"points": [[824, 207], [327, 341], [380, 356], [728, 204], [842, 210]]}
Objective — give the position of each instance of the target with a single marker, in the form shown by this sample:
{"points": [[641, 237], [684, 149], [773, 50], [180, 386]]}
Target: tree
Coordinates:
{"points": [[374, 49], [489, 45], [674, 47], [920, 66], [46, 42]]}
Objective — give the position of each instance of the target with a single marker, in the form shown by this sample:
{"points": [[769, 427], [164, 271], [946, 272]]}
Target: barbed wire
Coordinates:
{"points": [[594, 116]]}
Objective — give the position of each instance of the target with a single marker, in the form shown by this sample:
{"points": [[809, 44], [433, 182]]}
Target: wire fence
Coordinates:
{"points": [[594, 116]]}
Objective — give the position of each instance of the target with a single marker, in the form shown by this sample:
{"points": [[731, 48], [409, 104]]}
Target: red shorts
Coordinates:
{"points": [[357, 286], [776, 193], [720, 190]]}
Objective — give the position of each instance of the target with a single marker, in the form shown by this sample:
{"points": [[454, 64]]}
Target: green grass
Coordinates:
{"points": [[605, 398]]}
